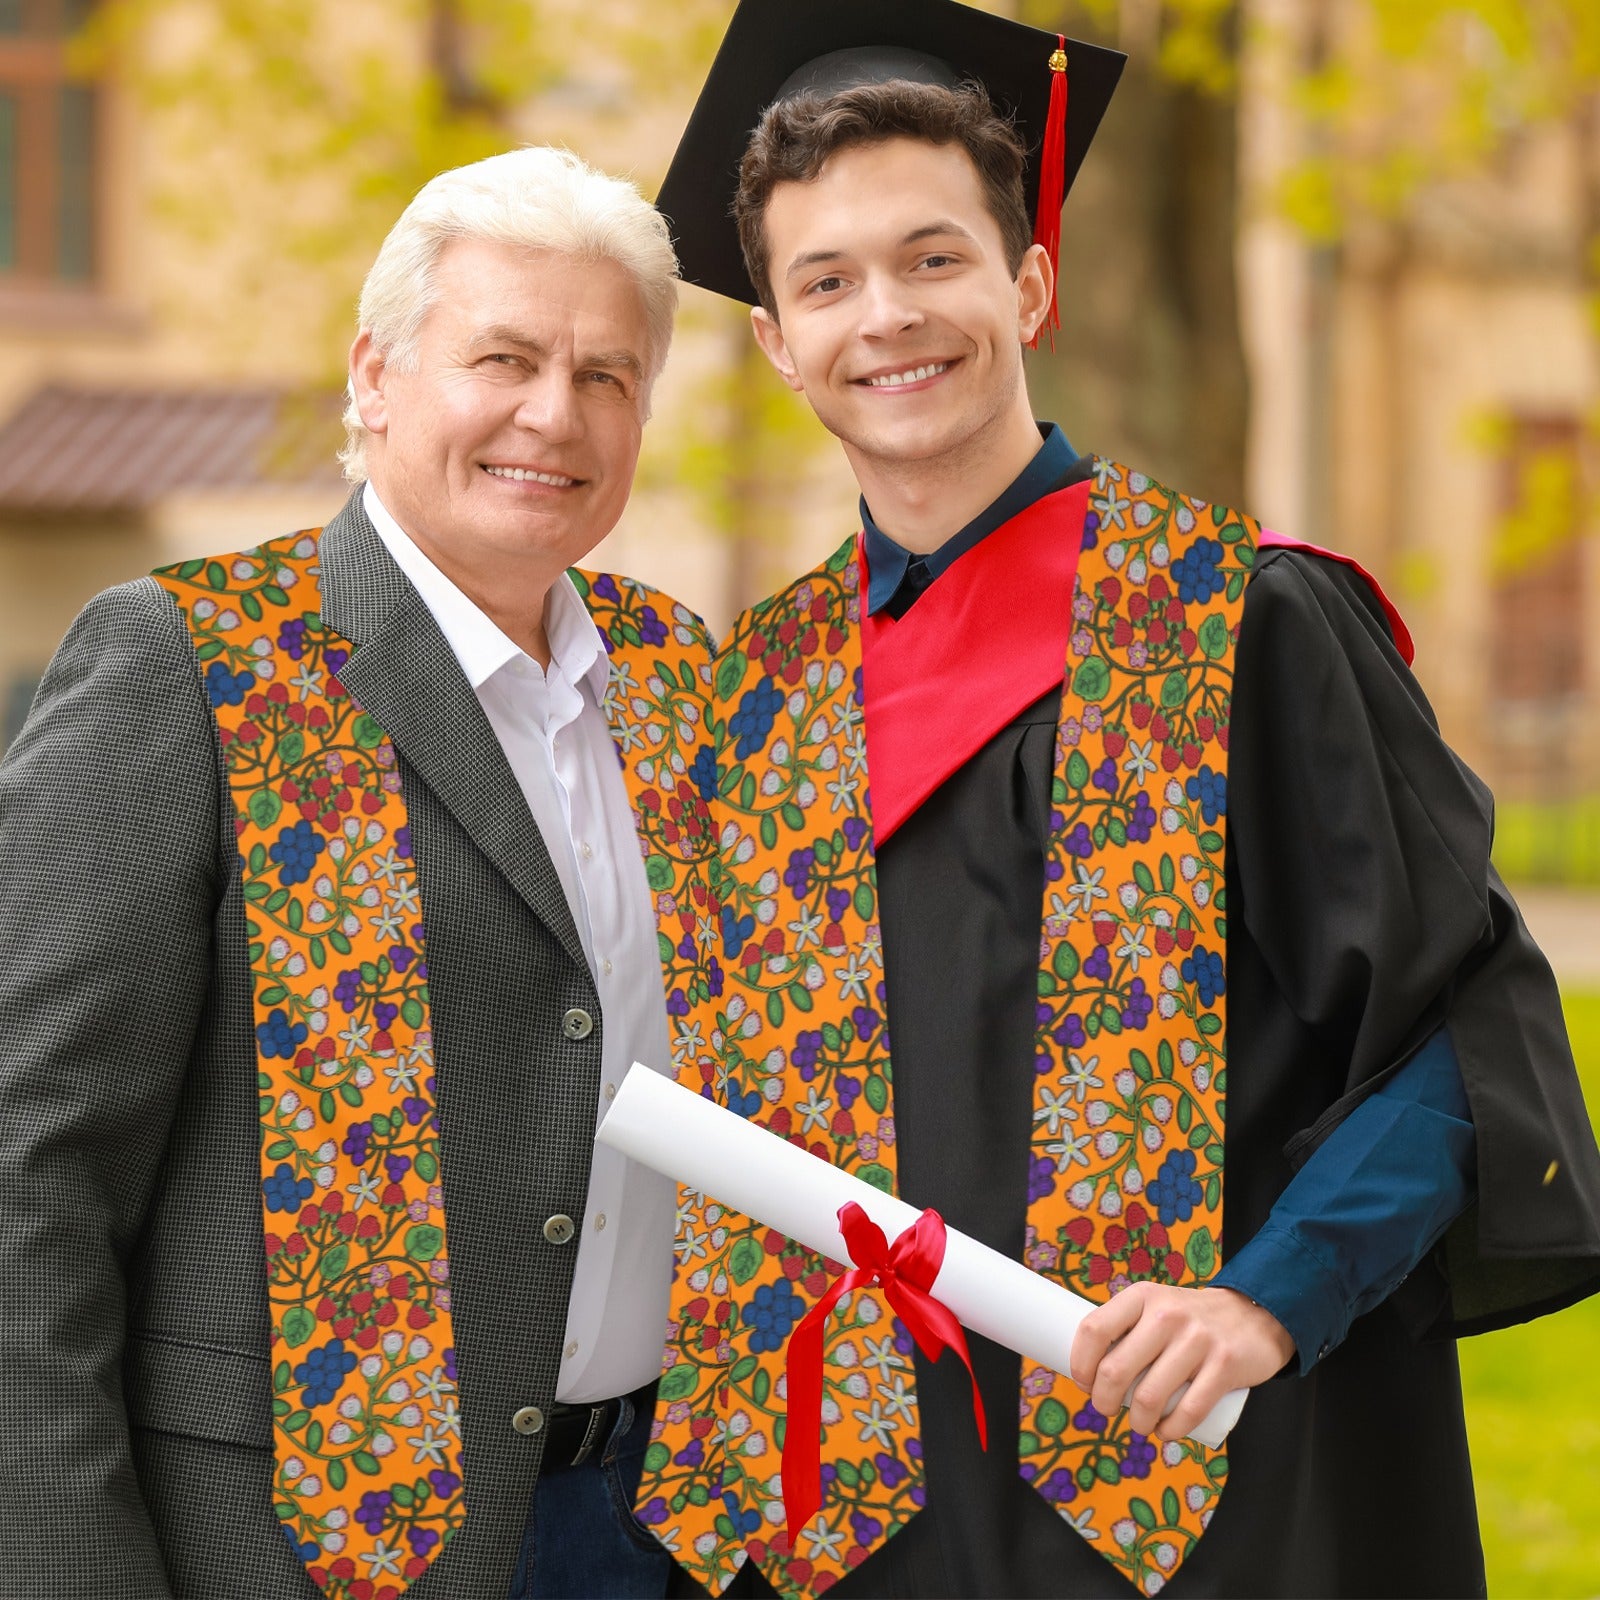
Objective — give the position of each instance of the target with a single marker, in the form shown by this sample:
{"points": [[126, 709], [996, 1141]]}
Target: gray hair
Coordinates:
{"points": [[537, 197]]}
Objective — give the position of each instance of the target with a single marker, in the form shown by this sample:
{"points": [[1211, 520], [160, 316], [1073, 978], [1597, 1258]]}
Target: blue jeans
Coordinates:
{"points": [[582, 1542]]}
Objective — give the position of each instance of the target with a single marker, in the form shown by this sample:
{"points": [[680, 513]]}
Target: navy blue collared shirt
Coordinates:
{"points": [[898, 576], [1379, 1192]]}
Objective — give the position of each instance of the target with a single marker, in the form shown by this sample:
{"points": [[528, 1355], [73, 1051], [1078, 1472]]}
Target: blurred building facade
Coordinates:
{"points": [[1421, 395], [160, 400], [1425, 394]]}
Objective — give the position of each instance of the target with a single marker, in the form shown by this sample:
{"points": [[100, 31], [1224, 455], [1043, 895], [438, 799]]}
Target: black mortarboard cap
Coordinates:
{"points": [[776, 48]]}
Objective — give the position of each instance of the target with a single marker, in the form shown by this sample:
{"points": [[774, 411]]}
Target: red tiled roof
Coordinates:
{"points": [[86, 450]]}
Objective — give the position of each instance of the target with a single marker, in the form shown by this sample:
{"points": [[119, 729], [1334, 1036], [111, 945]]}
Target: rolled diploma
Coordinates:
{"points": [[674, 1131]]}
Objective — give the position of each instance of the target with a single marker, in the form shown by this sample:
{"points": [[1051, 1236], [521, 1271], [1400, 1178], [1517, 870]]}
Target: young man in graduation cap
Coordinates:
{"points": [[1104, 815]]}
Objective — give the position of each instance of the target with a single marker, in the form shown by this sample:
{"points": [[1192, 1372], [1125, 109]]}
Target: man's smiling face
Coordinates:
{"points": [[516, 431], [898, 315]]}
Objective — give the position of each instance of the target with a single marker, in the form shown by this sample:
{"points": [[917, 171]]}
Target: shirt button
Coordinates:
{"points": [[559, 1229], [600, 1222], [530, 1419], [571, 1350], [588, 850], [611, 1091], [577, 1023], [606, 967]]}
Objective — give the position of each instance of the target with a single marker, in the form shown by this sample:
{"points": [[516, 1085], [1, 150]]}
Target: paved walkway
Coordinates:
{"points": [[1566, 922]]}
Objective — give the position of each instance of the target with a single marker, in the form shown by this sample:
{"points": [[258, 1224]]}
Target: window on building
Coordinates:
{"points": [[1537, 566], [48, 136]]}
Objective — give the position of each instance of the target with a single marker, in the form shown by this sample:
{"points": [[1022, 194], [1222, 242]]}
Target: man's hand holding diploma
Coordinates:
{"points": [[1214, 1340]]}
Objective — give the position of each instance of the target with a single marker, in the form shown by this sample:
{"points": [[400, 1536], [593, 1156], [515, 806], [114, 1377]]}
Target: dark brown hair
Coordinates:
{"points": [[796, 137]]}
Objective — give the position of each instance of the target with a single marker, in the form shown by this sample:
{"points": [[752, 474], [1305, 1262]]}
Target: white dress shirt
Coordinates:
{"points": [[551, 726]]}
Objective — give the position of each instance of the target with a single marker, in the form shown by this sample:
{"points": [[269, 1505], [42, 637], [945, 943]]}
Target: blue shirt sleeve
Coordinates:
{"points": [[1367, 1206]]}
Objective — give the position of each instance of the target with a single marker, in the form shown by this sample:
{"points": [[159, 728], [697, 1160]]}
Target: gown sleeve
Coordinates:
{"points": [[1359, 849], [1368, 1205]]}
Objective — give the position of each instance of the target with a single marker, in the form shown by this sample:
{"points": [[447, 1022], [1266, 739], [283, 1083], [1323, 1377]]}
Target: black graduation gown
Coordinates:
{"points": [[1364, 912]]}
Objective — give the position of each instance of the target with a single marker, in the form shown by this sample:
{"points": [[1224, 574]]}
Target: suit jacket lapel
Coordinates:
{"points": [[403, 672]]}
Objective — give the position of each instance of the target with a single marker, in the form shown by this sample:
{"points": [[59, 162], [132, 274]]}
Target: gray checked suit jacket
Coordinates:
{"points": [[136, 1448]]}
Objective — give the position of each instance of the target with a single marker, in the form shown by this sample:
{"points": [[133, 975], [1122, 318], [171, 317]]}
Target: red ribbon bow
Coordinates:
{"points": [[906, 1270]]}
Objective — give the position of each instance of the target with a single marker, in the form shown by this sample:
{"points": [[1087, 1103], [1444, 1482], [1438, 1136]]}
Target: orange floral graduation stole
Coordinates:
{"points": [[1126, 1161], [368, 1435]]}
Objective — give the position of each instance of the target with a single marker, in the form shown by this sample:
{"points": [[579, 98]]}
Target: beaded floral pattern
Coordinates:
{"points": [[1125, 1175], [369, 1480], [792, 1012], [1126, 1161], [658, 696], [368, 1436]]}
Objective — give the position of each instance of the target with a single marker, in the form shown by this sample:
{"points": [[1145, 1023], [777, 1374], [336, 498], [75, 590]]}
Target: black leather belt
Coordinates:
{"points": [[575, 1433]]}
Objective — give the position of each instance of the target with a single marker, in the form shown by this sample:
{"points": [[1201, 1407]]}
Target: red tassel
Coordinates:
{"points": [[1052, 182]]}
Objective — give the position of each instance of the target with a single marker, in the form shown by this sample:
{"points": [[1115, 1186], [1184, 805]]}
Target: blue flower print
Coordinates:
{"points": [[744, 1102], [308, 1551], [284, 1192], [744, 1522], [276, 1037], [772, 1313], [323, 1372], [703, 770], [1204, 970], [1211, 790], [1195, 572], [225, 688], [735, 931], [1174, 1191], [296, 853], [752, 722]]}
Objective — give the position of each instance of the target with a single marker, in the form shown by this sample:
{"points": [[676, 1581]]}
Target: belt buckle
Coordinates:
{"points": [[590, 1434]]}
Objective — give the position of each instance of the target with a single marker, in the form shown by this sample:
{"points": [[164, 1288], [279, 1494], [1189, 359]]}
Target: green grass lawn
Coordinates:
{"points": [[1533, 1413]]}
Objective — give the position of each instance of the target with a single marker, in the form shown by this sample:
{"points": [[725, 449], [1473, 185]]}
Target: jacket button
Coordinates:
{"points": [[530, 1419], [577, 1024], [559, 1229]]}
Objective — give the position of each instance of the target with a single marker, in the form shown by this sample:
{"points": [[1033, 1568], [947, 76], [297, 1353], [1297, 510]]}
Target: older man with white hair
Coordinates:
{"points": [[340, 880]]}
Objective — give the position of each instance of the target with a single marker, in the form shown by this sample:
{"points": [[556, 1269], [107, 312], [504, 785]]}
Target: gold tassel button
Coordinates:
{"points": [[1058, 62]]}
